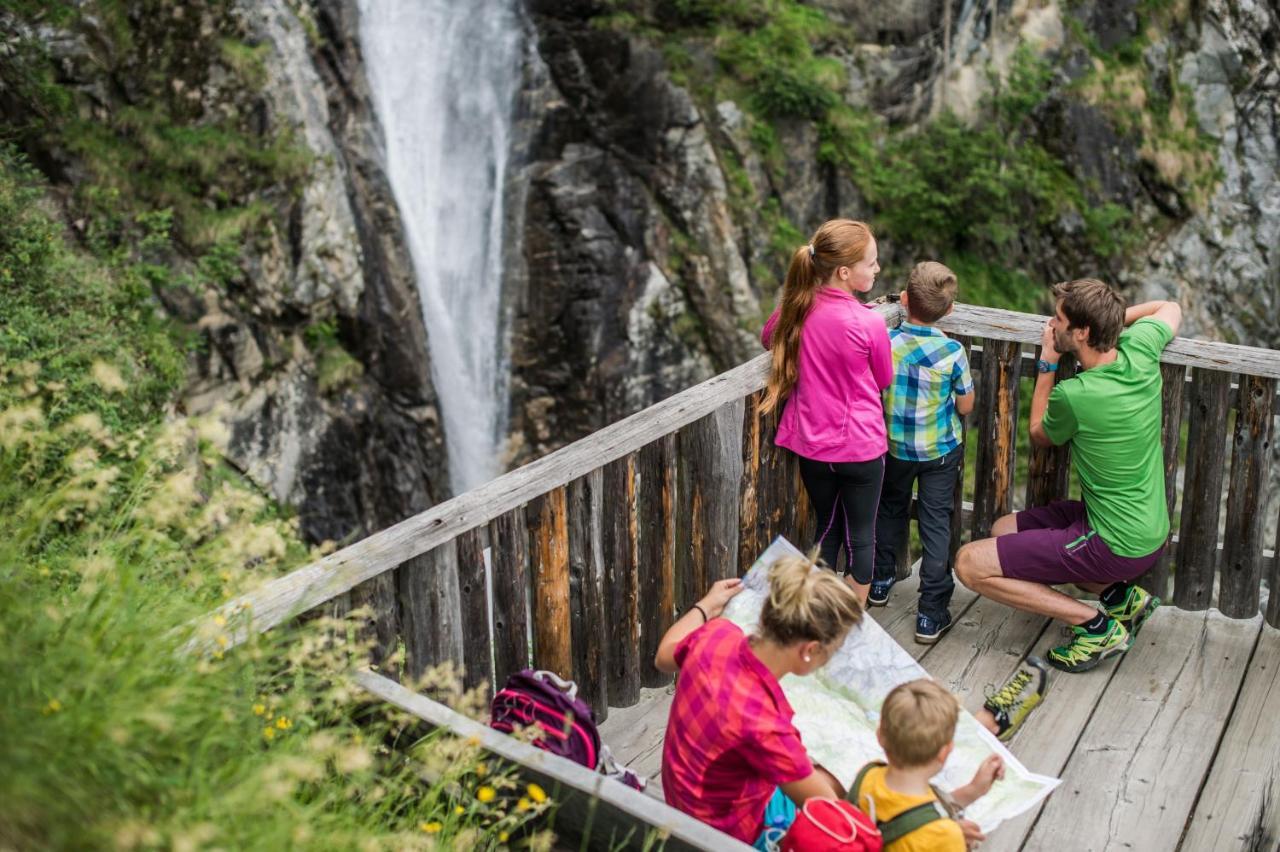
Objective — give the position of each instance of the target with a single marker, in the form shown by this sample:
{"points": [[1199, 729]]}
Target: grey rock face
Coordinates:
{"points": [[369, 452], [1224, 263], [324, 262], [635, 283]]}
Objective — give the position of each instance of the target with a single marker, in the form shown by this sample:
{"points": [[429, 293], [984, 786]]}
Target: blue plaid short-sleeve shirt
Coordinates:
{"points": [[920, 411]]}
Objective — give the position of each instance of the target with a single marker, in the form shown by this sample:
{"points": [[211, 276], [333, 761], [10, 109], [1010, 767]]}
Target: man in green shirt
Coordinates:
{"points": [[1110, 412]]}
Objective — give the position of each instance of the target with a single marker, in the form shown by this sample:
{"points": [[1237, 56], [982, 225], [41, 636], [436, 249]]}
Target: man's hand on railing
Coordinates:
{"points": [[1048, 351]]}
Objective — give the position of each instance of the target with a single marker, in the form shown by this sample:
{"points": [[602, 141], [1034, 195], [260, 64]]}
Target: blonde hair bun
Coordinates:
{"points": [[807, 603]]}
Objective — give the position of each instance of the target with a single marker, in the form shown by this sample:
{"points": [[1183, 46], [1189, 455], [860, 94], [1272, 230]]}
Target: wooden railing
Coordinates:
{"points": [[594, 549]]}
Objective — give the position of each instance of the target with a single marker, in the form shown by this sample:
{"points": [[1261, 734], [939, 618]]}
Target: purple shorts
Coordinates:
{"points": [[1055, 544]]}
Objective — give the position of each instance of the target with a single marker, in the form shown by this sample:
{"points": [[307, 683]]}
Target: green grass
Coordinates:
{"points": [[120, 529], [970, 194], [184, 139]]}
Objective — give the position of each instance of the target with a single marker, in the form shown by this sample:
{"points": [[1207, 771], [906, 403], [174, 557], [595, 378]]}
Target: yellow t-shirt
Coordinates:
{"points": [[943, 835]]}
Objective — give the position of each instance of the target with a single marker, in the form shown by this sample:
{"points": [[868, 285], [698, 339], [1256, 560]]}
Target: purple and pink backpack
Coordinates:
{"points": [[566, 725]]}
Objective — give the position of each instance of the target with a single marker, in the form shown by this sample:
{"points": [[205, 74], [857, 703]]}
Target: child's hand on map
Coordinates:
{"points": [[989, 771], [721, 591]]}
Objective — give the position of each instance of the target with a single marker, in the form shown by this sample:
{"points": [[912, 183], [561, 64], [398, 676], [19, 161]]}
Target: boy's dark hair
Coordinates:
{"points": [[1089, 303], [931, 290]]}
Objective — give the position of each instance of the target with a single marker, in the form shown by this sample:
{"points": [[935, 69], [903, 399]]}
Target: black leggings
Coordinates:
{"points": [[844, 497]]}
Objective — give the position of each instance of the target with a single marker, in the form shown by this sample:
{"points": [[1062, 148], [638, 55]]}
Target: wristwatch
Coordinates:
{"points": [[1045, 367]]}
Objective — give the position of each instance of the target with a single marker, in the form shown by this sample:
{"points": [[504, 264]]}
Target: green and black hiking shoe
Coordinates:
{"points": [[1135, 609], [1087, 649], [1022, 693]]}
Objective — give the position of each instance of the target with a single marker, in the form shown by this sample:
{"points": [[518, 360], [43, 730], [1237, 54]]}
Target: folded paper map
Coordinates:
{"points": [[838, 708]]}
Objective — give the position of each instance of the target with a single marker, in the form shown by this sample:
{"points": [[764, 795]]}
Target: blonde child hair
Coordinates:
{"points": [[807, 605], [917, 720]]}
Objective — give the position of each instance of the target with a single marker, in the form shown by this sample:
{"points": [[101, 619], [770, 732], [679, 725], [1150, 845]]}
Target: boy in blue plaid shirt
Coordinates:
{"points": [[931, 390]]}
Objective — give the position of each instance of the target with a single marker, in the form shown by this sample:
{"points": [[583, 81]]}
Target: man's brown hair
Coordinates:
{"points": [[1089, 303], [931, 290], [917, 719]]}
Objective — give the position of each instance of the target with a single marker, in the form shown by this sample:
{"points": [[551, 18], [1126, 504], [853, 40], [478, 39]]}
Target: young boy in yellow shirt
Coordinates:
{"points": [[917, 726]]}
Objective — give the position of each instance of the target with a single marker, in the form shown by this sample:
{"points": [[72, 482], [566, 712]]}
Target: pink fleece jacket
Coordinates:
{"points": [[834, 413]]}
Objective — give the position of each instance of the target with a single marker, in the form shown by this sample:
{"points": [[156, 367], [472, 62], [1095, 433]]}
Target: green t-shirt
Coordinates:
{"points": [[1111, 416]]}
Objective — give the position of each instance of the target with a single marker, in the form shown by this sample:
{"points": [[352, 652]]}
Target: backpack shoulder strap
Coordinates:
{"points": [[910, 820], [855, 792]]}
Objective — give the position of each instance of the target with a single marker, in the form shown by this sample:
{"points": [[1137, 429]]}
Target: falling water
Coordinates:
{"points": [[443, 75]]}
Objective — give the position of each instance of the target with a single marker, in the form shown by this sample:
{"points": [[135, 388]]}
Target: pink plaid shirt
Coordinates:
{"points": [[730, 741]]}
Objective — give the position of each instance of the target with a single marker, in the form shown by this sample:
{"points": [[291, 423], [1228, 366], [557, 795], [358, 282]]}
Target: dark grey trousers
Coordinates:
{"points": [[936, 482]]}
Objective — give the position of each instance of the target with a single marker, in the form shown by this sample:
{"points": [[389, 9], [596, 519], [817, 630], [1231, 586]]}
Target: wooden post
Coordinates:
{"points": [[1202, 490], [1273, 582], [769, 501], [509, 562], [586, 592], [997, 420], [656, 509], [619, 524], [548, 520], [710, 470], [1174, 380], [430, 609], [1238, 591], [477, 643], [957, 502], [749, 545], [1049, 468], [381, 595], [777, 478]]}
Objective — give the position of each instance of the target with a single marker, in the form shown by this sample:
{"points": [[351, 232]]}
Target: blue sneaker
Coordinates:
{"points": [[879, 593], [929, 630]]}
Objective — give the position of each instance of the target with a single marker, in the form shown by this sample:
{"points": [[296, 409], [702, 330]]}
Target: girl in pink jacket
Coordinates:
{"points": [[831, 360]]}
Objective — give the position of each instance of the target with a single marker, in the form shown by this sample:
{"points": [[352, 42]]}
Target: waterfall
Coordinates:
{"points": [[444, 75]]}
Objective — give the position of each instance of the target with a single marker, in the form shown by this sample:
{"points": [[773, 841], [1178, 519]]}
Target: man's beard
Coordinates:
{"points": [[1063, 343]]}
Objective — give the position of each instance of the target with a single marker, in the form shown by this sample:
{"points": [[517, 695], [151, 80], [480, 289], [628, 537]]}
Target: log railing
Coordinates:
{"points": [[580, 561]]}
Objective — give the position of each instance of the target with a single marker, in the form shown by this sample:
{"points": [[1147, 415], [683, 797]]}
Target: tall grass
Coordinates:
{"points": [[120, 527]]}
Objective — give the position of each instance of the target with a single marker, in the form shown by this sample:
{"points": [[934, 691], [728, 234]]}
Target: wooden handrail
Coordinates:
{"points": [[314, 584], [339, 572], [582, 796], [998, 324]]}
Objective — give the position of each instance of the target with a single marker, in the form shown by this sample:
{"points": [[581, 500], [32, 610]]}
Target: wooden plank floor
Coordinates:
{"points": [[1174, 746]]}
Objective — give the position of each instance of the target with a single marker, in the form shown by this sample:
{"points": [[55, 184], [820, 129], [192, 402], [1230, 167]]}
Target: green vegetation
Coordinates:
{"points": [[976, 195], [91, 326], [120, 529], [184, 136], [1160, 120]]}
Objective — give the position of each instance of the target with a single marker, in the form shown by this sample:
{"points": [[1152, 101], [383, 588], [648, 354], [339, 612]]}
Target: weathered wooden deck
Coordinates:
{"points": [[1174, 746]]}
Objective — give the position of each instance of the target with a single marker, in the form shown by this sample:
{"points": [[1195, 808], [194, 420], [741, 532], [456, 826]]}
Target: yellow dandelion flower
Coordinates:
{"points": [[486, 794], [54, 706], [523, 805], [259, 709], [223, 641], [283, 723], [503, 836], [482, 769], [431, 827], [473, 741], [268, 733], [536, 793], [220, 620], [459, 810]]}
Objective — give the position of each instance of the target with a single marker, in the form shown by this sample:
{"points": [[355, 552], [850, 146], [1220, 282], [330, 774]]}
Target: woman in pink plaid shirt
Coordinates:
{"points": [[731, 751]]}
